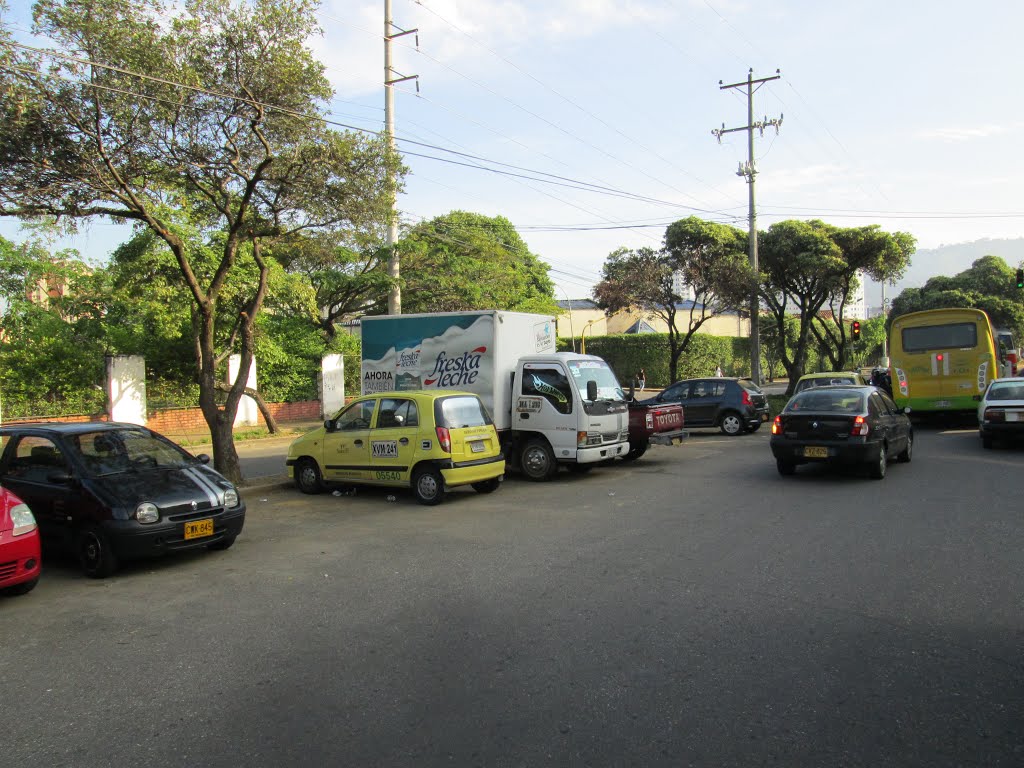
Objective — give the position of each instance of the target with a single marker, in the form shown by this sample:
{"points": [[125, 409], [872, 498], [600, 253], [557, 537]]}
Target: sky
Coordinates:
{"points": [[902, 114]]}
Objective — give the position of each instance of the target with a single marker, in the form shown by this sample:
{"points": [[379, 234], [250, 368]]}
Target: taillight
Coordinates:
{"points": [[746, 398], [995, 414], [777, 426], [860, 426], [444, 439]]}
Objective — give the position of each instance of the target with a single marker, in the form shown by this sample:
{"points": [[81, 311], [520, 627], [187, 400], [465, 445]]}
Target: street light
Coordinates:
{"points": [[583, 337]]}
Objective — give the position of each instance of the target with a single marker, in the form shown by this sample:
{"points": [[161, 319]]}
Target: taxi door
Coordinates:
{"points": [[347, 443], [393, 440]]}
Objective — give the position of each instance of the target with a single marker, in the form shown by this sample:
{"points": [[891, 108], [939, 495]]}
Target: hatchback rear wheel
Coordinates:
{"points": [[428, 485], [731, 424]]}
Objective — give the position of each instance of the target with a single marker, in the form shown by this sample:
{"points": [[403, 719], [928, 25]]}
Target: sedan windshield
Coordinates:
{"points": [[110, 451]]}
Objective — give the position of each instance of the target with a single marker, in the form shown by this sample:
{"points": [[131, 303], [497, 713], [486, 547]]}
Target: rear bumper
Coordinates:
{"points": [[473, 472], [674, 437], [1002, 429], [839, 453]]}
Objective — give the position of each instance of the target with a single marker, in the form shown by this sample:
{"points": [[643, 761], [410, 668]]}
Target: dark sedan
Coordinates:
{"points": [[857, 425], [113, 491]]}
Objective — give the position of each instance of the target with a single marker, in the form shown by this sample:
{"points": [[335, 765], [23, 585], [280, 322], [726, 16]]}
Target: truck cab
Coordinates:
{"points": [[566, 408]]}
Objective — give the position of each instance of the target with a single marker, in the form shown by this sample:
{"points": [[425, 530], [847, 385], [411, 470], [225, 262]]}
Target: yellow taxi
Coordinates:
{"points": [[429, 440]]}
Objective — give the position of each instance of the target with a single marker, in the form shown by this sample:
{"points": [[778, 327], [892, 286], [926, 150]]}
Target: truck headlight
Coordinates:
{"points": [[147, 512], [22, 519], [230, 498]]}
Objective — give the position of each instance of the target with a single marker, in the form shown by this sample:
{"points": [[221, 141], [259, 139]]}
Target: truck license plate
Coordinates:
{"points": [[815, 452], [196, 529]]}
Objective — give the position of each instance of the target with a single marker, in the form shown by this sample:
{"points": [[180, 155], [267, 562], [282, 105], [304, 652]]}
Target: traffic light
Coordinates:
{"points": [[1020, 278], [855, 330]]}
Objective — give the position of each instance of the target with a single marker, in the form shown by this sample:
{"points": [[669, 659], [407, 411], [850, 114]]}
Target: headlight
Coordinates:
{"points": [[147, 512], [230, 498], [23, 520]]}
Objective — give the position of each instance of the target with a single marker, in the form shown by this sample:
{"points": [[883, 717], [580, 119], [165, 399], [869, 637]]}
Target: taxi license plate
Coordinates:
{"points": [[815, 452], [478, 446], [196, 529]]}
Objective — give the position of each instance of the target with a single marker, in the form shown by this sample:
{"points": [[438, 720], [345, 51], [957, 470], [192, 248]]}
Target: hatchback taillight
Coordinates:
{"points": [[777, 426], [444, 439], [860, 426], [746, 397], [995, 414]]}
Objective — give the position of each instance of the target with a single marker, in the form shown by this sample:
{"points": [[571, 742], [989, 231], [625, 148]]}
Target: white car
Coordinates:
{"points": [[1001, 410]]}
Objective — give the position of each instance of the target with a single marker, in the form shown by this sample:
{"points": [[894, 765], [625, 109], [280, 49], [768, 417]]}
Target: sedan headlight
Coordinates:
{"points": [[147, 512], [23, 520], [230, 498]]}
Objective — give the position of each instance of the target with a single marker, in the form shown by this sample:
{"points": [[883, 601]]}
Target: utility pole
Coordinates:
{"points": [[749, 171], [394, 271]]}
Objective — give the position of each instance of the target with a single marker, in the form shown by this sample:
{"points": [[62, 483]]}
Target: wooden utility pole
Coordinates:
{"points": [[749, 171]]}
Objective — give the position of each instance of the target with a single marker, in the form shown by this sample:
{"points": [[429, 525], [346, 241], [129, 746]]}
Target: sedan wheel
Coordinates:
{"points": [[785, 468], [731, 424], [908, 452], [878, 468]]}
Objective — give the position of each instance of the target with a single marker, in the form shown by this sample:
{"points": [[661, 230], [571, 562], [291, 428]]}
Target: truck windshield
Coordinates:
{"points": [[607, 385]]}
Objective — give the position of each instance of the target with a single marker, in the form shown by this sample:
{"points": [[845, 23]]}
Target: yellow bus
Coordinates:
{"points": [[939, 359]]}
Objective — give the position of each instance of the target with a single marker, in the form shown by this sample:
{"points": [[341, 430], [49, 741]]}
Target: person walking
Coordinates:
{"points": [[641, 379], [718, 371]]}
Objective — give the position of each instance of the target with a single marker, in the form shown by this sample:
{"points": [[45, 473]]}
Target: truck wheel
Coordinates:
{"points": [[95, 555], [537, 461], [636, 450], [308, 478], [428, 485]]}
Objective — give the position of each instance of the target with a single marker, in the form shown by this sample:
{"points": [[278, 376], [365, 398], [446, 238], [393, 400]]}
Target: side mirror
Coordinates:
{"points": [[329, 425], [632, 394], [977, 397], [591, 390], [203, 458]]}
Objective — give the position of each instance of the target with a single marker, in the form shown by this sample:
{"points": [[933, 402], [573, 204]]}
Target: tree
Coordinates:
{"points": [[464, 261], [807, 265], [708, 257], [203, 127], [989, 284]]}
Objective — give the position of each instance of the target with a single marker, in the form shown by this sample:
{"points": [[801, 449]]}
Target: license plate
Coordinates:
{"points": [[478, 446], [941, 404], [196, 529], [1012, 416], [815, 452]]}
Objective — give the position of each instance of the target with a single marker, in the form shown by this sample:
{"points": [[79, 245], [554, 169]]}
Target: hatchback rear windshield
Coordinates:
{"points": [[462, 411]]}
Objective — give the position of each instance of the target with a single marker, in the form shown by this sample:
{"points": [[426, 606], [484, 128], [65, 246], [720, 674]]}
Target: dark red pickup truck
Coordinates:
{"points": [[658, 423]]}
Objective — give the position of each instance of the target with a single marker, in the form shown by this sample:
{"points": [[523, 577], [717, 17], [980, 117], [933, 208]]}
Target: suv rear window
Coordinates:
{"points": [[462, 411]]}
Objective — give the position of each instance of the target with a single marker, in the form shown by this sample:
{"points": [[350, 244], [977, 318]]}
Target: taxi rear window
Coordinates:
{"points": [[461, 411]]}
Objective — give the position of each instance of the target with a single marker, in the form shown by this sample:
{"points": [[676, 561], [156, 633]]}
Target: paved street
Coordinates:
{"points": [[693, 608]]}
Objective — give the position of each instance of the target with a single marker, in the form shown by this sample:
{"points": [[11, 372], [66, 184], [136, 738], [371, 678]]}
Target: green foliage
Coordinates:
{"points": [[466, 261], [989, 284]]}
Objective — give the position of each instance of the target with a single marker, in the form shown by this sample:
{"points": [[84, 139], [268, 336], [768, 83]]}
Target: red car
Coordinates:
{"points": [[19, 546]]}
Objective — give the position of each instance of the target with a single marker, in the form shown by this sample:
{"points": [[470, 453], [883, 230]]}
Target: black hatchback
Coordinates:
{"points": [[734, 406], [110, 491]]}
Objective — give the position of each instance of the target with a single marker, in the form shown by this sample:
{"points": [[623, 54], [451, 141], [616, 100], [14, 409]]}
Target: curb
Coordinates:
{"points": [[257, 485]]}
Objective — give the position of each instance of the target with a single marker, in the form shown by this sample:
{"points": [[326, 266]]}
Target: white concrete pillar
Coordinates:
{"points": [[332, 395], [248, 412], [126, 388]]}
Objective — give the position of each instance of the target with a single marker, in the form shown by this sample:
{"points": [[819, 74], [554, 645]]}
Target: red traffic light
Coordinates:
{"points": [[855, 329]]}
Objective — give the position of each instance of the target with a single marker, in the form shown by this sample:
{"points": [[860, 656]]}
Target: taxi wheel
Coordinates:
{"points": [[95, 555], [308, 478], [537, 461], [428, 485], [487, 486]]}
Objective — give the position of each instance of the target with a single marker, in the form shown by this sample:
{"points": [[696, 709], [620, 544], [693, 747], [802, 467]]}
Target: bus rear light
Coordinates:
{"points": [[860, 427]]}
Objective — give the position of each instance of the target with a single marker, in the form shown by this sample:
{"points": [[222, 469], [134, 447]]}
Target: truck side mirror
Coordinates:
{"points": [[591, 390], [632, 394]]}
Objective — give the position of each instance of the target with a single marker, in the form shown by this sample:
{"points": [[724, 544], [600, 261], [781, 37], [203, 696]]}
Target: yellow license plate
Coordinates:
{"points": [[196, 529], [815, 452]]}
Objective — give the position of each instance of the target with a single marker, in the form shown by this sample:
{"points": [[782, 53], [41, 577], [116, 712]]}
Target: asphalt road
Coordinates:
{"points": [[693, 608]]}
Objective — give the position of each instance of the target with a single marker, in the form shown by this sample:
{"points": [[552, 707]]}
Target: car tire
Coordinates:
{"points": [[754, 427], [487, 486], [220, 546], [635, 451], [428, 485], [537, 461], [986, 441], [96, 557], [731, 424], [786, 468], [878, 468], [907, 453], [20, 589], [308, 477]]}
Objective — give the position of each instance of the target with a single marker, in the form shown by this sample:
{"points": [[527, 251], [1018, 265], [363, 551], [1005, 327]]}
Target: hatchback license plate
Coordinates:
{"points": [[815, 452], [478, 446], [197, 529]]}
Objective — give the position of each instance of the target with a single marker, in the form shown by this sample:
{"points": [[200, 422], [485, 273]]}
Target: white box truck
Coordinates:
{"points": [[549, 407]]}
